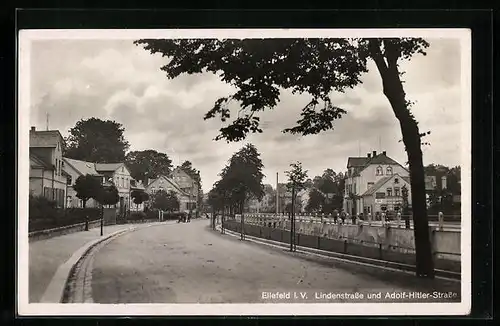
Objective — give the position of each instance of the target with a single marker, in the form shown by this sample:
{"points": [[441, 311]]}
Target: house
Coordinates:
{"points": [[374, 182], [186, 184], [46, 175], [74, 169], [186, 200], [119, 175]]}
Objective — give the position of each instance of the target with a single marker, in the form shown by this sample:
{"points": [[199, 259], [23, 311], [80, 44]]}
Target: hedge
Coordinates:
{"points": [[43, 214]]}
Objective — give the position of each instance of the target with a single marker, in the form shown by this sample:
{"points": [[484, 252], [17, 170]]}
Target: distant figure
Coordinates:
{"points": [[189, 217], [344, 217], [398, 216], [354, 218], [335, 216]]}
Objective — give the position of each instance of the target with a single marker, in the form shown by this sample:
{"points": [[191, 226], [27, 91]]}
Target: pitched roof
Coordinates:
{"points": [[47, 138], [81, 167], [357, 161], [107, 167], [38, 162], [362, 162], [174, 184]]}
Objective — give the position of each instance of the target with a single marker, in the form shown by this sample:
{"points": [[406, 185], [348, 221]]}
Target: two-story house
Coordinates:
{"points": [[166, 184], [46, 175], [187, 184], [120, 175], [374, 183]]}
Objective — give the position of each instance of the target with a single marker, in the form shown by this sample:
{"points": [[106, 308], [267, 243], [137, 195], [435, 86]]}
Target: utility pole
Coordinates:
{"points": [[47, 121]]}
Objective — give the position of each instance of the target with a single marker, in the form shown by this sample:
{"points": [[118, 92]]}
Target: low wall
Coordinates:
{"points": [[50, 233], [384, 243], [109, 218]]}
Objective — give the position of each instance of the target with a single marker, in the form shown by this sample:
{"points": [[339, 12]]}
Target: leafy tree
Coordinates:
{"points": [[166, 201], [316, 200], [139, 196], [108, 195], [95, 140], [148, 163], [259, 68], [86, 187]]}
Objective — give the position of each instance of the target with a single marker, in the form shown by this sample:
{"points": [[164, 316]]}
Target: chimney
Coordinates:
{"points": [[368, 155], [443, 182], [33, 128], [374, 153], [384, 153]]}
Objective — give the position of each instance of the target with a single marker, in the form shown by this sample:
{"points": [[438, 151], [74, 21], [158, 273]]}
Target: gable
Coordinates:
{"points": [[166, 183], [386, 181]]}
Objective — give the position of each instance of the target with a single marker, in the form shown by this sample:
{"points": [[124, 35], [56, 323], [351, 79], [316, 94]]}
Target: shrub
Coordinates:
{"points": [[137, 216], [43, 208]]}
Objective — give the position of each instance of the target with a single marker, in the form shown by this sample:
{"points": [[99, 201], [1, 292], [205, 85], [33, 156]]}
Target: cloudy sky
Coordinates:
{"points": [[114, 79]]}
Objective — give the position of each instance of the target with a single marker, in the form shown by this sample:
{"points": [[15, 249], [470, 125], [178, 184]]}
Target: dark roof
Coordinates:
{"points": [[107, 167], [38, 162], [357, 161], [360, 163], [47, 138]]}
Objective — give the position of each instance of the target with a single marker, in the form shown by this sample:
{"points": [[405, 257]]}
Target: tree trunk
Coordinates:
{"points": [[393, 90]]}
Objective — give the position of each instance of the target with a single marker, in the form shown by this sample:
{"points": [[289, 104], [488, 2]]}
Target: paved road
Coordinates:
{"points": [[189, 263]]}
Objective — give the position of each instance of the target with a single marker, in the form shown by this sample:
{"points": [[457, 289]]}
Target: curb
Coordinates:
{"points": [[55, 290], [373, 263]]}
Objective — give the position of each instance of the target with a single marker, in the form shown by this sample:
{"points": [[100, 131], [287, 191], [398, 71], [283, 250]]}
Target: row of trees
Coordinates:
{"points": [[103, 141], [240, 180], [87, 187]]}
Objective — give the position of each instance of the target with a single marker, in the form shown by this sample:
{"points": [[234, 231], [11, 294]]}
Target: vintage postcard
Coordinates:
{"points": [[244, 172]]}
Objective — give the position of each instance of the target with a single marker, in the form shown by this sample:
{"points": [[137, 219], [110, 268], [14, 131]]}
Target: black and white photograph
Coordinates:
{"points": [[244, 172]]}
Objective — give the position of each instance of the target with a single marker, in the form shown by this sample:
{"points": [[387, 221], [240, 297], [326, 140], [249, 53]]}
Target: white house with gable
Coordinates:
{"points": [[373, 183]]}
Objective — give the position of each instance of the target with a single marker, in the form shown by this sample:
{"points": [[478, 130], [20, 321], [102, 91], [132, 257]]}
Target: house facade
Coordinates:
{"points": [[119, 175], [166, 184], [368, 177], [74, 169], [46, 176], [187, 184]]}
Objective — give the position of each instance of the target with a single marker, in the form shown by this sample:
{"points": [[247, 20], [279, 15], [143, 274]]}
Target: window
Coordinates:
{"points": [[379, 171], [69, 180], [396, 180], [388, 170], [379, 195], [389, 192], [354, 188], [370, 184], [397, 192]]}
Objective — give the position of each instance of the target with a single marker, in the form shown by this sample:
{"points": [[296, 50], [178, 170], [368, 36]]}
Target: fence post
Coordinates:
{"points": [[380, 251], [441, 221], [345, 246]]}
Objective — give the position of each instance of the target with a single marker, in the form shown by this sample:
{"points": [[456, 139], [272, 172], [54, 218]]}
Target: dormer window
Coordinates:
{"points": [[396, 180], [388, 171], [379, 171]]}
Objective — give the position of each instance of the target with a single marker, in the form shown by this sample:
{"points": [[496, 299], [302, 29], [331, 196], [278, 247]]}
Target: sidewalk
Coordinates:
{"points": [[45, 256]]}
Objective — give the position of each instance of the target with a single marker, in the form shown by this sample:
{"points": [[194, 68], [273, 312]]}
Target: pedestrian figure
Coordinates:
{"points": [[189, 217], [354, 218], [335, 216], [384, 219], [344, 217], [398, 217]]}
